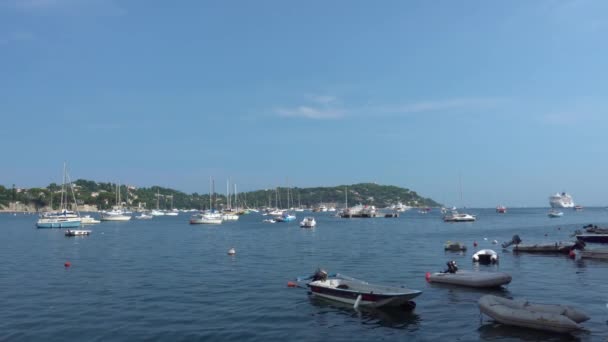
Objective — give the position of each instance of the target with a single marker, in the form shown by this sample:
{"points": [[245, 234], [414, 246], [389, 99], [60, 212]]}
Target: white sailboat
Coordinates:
{"points": [[208, 217], [117, 213], [63, 218]]}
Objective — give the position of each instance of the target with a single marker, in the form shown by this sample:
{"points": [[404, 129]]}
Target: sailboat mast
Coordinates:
{"points": [[236, 203], [346, 196], [63, 187]]}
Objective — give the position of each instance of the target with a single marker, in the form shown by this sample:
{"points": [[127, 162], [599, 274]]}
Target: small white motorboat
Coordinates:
{"points": [[485, 256], [87, 219], [77, 232], [555, 213], [455, 216], [356, 292], [308, 222], [479, 279], [206, 218], [144, 216], [548, 317], [269, 221]]}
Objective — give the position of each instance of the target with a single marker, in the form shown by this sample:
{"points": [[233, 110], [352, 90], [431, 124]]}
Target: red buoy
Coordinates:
{"points": [[474, 243], [427, 276], [572, 254], [291, 284], [67, 264]]}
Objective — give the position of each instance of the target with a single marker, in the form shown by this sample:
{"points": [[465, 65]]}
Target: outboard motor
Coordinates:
{"points": [[580, 245], [320, 274], [515, 240], [452, 267]]}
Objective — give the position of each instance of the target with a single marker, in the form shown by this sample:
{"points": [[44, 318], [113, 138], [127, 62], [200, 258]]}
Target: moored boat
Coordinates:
{"points": [[308, 222], [485, 256], [455, 216], [554, 213], [548, 317], [144, 216], [206, 218], [454, 246], [501, 209], [359, 293], [77, 232], [478, 279], [597, 238], [88, 219]]}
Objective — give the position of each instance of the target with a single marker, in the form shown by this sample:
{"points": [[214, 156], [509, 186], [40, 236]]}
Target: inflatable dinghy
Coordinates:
{"points": [[485, 256], [471, 279], [548, 317], [454, 246]]}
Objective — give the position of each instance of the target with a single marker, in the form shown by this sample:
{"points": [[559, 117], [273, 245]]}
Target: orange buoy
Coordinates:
{"points": [[67, 264], [427, 276], [291, 284]]}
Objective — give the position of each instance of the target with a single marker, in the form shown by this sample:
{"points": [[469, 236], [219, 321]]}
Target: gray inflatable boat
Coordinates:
{"points": [[548, 317], [471, 279]]}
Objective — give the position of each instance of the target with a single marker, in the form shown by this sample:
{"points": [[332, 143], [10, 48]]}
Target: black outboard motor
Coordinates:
{"points": [[580, 245], [452, 267], [515, 240], [320, 274]]}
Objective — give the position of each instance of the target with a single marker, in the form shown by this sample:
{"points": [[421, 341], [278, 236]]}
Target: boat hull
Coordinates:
{"points": [[547, 317], [349, 292], [472, 279], [597, 238], [115, 218], [58, 224]]}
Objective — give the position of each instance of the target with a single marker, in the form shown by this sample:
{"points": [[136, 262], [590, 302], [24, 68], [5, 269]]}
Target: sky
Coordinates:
{"points": [[506, 101]]}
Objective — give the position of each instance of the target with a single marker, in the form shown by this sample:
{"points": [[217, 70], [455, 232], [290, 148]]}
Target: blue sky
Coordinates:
{"points": [[509, 95]]}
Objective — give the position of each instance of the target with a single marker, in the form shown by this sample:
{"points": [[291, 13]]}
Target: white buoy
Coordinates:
{"points": [[485, 239], [495, 242], [231, 251], [356, 306]]}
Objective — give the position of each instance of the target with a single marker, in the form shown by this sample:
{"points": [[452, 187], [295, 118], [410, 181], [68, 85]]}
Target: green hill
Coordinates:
{"points": [[103, 195]]}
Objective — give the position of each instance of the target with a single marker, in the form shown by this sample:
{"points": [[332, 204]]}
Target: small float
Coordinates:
{"points": [[548, 317], [485, 256], [454, 246], [77, 232], [480, 279], [356, 292]]}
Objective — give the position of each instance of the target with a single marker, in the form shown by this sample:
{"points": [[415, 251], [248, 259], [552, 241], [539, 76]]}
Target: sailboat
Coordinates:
{"points": [[64, 218], [172, 212], [454, 215], [285, 215], [211, 216], [117, 213]]}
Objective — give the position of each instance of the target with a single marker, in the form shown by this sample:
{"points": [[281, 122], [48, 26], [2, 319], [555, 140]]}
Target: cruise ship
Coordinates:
{"points": [[562, 200]]}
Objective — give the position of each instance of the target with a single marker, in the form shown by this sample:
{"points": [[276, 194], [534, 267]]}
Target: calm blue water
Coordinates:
{"points": [[164, 279]]}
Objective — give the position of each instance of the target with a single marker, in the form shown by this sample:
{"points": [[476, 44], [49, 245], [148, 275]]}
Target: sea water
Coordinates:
{"points": [[163, 279]]}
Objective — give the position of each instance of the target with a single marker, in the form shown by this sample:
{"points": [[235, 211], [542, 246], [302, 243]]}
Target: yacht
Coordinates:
{"points": [[562, 200], [459, 217], [117, 214]]}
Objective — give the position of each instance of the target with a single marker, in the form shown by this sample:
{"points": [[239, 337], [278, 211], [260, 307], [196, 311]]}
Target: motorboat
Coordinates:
{"points": [[548, 317], [308, 222], [115, 215], [561, 200], [157, 212], [230, 217], [58, 222], [144, 216], [552, 247], [285, 217], [454, 246], [400, 207], [455, 216], [206, 218], [269, 221], [578, 208], [77, 232], [485, 256], [480, 279], [595, 254], [356, 292], [597, 238], [88, 219], [555, 214], [501, 209]]}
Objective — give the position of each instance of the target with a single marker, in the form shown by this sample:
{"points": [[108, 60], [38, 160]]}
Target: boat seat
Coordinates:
{"points": [[343, 286]]}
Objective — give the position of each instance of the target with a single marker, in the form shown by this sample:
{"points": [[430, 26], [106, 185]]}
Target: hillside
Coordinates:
{"points": [[103, 195]]}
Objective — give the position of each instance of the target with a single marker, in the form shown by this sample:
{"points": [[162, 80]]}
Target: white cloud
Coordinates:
{"points": [[442, 105], [310, 113]]}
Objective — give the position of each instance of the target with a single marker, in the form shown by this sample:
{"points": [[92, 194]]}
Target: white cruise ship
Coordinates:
{"points": [[562, 200]]}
